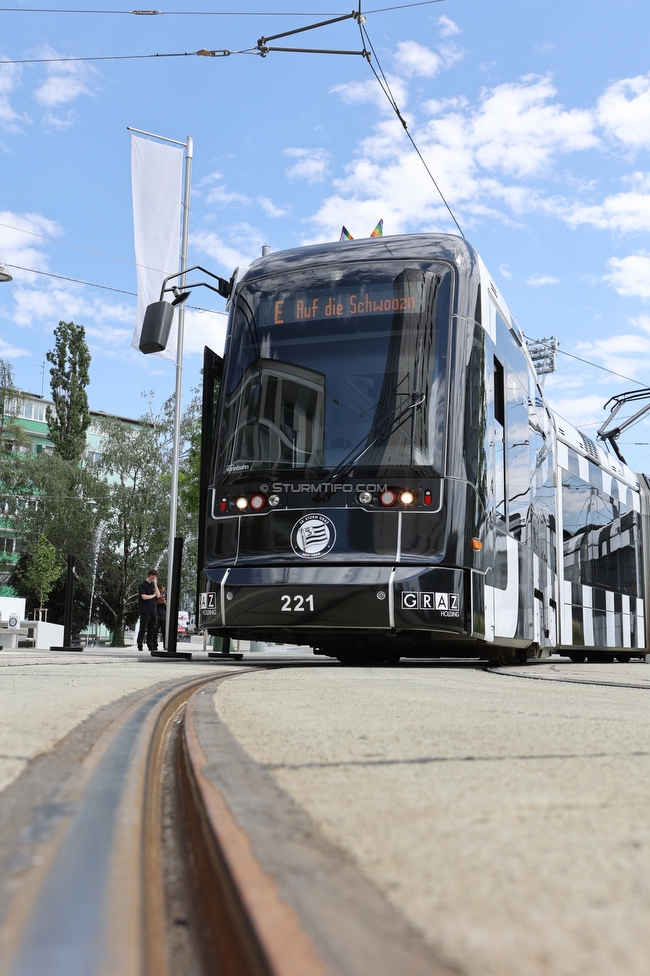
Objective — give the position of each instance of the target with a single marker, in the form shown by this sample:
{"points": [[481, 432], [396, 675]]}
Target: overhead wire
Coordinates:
{"points": [[385, 87], [208, 13], [581, 360], [93, 284]]}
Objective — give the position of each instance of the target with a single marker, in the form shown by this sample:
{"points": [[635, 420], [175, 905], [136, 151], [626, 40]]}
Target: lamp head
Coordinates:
{"points": [[4, 274]]}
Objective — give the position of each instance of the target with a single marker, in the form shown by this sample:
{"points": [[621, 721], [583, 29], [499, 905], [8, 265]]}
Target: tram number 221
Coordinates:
{"points": [[297, 603]]}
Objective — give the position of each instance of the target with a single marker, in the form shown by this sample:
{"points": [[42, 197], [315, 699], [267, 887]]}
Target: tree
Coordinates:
{"points": [[65, 502], [69, 378], [43, 570], [135, 463]]}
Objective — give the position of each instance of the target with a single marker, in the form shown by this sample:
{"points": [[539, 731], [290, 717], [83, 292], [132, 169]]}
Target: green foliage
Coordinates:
{"points": [[189, 472], [43, 569], [66, 503], [69, 378], [135, 463]]}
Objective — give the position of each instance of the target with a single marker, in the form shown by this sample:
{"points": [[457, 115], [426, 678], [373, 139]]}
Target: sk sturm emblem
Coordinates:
{"points": [[313, 536]]}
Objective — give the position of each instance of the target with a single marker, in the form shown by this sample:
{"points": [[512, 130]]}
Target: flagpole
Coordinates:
{"points": [[173, 505], [178, 394]]}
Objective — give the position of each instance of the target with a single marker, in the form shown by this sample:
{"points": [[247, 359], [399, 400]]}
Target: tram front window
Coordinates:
{"points": [[340, 371]]}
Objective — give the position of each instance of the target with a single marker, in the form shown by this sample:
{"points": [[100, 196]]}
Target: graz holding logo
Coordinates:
{"points": [[446, 604], [313, 536]]}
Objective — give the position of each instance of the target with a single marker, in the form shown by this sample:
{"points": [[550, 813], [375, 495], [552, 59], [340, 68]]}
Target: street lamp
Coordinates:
{"points": [[4, 274]]}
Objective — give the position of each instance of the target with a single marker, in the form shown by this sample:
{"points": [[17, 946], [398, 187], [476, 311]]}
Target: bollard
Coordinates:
{"points": [[67, 613], [173, 593]]}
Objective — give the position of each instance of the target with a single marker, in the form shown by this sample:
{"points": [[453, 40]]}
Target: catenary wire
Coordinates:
{"points": [[385, 87], [113, 257], [93, 284], [209, 13], [130, 57], [581, 360]]}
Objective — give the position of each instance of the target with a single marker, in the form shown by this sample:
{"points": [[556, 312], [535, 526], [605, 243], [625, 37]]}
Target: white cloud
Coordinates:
{"points": [[219, 194], [9, 351], [204, 329], [538, 280], [18, 245], [642, 322], [580, 411], [312, 164], [623, 212], [518, 127], [66, 81], [447, 27], [478, 153], [630, 276], [505, 271], [52, 121], [270, 208], [412, 58], [236, 249], [10, 120], [624, 111], [53, 302], [361, 92], [627, 355]]}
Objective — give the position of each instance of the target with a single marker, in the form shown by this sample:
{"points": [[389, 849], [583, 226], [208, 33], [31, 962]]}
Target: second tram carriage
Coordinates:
{"points": [[387, 480]]}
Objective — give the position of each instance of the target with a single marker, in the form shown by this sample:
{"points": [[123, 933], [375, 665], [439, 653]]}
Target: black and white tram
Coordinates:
{"points": [[387, 480]]}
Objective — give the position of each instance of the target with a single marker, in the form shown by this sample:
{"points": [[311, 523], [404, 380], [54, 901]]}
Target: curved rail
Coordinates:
{"points": [[565, 679], [99, 903], [96, 902]]}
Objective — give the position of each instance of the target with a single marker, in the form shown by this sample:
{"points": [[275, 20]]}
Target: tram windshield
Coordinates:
{"points": [[337, 371]]}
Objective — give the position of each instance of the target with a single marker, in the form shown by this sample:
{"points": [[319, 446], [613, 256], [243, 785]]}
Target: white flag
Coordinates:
{"points": [[156, 179]]}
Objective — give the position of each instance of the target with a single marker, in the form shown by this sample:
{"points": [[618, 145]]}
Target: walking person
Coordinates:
{"points": [[148, 594], [161, 612]]}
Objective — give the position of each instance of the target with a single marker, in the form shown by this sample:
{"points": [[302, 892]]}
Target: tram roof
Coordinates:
{"points": [[581, 444], [432, 247]]}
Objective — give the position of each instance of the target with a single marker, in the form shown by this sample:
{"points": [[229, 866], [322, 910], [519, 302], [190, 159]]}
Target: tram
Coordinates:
{"points": [[383, 476]]}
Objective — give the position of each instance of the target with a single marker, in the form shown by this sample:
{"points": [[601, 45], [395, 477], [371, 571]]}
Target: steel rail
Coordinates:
{"points": [[566, 679], [95, 904], [256, 932]]}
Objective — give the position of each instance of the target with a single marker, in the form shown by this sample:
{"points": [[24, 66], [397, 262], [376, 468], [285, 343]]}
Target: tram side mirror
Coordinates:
{"points": [[156, 327]]}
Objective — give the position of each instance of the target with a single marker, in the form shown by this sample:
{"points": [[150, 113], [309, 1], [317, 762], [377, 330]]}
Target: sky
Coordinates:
{"points": [[533, 119]]}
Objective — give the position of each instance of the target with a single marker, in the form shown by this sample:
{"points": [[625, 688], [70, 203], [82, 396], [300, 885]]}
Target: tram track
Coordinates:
{"points": [[565, 679], [148, 873]]}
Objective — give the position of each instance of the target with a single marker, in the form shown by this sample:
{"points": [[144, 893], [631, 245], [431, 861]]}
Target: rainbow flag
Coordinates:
{"points": [[379, 229], [345, 234]]}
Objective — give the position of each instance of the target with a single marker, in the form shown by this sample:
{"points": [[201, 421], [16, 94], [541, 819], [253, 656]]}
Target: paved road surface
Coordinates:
{"points": [[506, 818]]}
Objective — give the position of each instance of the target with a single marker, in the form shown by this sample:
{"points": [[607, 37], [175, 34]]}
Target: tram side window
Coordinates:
{"points": [[499, 440], [600, 538], [475, 410], [518, 481]]}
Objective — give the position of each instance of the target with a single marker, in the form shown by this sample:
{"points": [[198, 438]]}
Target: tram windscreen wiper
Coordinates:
{"points": [[347, 466]]}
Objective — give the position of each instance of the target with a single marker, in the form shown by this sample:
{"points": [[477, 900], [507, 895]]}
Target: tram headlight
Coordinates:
{"points": [[241, 503], [365, 497], [257, 502], [274, 500], [388, 498], [407, 497]]}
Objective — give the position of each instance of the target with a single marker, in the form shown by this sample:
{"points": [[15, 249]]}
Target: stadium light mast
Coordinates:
{"points": [[543, 353]]}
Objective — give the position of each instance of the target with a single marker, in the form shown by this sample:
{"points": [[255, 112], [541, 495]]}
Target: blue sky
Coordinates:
{"points": [[534, 120]]}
